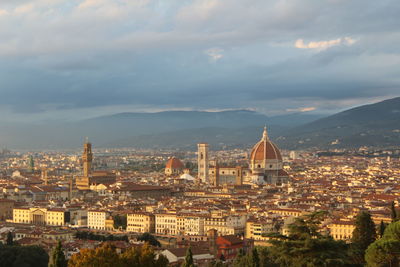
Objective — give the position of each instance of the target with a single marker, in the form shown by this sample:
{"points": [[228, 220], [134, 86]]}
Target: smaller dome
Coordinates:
{"points": [[174, 163]]}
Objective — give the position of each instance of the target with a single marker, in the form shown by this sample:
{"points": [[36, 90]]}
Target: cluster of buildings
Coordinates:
{"points": [[217, 201]]}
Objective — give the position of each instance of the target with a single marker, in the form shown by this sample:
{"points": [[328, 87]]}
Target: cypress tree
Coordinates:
{"points": [[382, 228], [58, 257], [188, 259], [255, 259], [393, 212], [10, 239], [363, 235]]}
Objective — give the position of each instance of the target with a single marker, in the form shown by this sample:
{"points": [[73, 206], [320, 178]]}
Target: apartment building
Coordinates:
{"points": [[141, 222], [166, 223]]}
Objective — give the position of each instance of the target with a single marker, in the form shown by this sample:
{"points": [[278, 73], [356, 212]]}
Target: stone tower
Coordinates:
{"points": [[87, 158], [202, 161]]}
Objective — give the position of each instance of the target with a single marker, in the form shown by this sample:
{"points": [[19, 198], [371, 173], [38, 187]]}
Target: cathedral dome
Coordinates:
{"points": [[265, 150], [174, 163]]}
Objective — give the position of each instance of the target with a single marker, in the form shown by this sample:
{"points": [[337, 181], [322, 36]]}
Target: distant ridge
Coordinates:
{"points": [[368, 125], [136, 129]]}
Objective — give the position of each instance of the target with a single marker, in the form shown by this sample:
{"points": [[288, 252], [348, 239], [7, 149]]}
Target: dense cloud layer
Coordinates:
{"points": [[63, 58]]}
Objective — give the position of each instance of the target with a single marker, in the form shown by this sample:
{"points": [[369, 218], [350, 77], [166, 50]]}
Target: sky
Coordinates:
{"points": [[74, 59]]}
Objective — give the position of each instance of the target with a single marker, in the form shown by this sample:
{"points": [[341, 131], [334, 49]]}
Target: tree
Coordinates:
{"points": [[394, 214], [147, 237], [255, 259], [104, 256], [143, 256], [10, 239], [306, 246], [241, 259], [58, 257], [188, 259], [265, 257], [385, 251], [120, 221], [27, 256], [382, 253], [364, 234], [392, 231], [216, 263], [382, 227], [107, 256]]}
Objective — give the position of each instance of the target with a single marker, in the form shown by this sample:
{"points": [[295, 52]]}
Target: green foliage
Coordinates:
{"points": [[392, 231], [149, 238], [26, 256], [188, 262], [120, 221], [307, 226], [265, 257], [91, 236], [241, 259], [382, 228], [394, 215], [385, 251], [106, 256], [142, 256], [259, 256], [217, 263], [306, 246], [364, 234], [58, 257], [255, 259]]}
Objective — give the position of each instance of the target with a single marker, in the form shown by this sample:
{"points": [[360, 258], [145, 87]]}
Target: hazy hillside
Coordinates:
{"points": [[371, 125], [218, 138], [148, 129]]}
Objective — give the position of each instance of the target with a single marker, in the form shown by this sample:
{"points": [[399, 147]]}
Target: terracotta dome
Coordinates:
{"points": [[174, 163], [265, 149]]}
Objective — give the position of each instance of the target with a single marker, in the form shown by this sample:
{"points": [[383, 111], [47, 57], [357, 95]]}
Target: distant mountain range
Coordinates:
{"points": [[162, 129], [370, 125]]}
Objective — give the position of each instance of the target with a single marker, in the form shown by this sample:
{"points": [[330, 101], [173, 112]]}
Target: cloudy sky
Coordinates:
{"points": [[69, 59]]}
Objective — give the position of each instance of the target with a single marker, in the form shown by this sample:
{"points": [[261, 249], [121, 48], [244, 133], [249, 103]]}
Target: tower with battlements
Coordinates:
{"points": [[87, 158]]}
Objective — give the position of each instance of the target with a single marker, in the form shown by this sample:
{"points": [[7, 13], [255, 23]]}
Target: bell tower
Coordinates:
{"points": [[87, 158], [202, 162]]}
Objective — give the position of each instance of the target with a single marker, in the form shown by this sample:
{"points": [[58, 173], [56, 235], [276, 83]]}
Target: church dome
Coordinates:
{"points": [[265, 150], [174, 163]]}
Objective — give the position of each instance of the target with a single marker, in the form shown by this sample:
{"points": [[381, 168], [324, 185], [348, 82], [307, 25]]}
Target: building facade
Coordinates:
{"points": [[166, 223], [41, 216], [141, 222], [97, 219]]}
